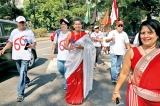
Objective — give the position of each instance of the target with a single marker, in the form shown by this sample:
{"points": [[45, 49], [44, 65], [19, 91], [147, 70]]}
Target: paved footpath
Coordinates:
{"points": [[47, 89]]}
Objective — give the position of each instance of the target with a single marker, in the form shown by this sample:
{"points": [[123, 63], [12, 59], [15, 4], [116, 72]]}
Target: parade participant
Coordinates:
{"points": [[119, 42], [60, 39], [105, 44], [97, 38], [80, 64], [21, 52], [143, 88], [89, 31]]}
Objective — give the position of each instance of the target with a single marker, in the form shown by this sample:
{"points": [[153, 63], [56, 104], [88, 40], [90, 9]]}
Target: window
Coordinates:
{"points": [[0, 31], [8, 27]]}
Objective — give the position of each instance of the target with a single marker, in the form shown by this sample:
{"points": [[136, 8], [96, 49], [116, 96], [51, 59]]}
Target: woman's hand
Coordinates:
{"points": [[78, 46], [115, 95], [52, 56]]}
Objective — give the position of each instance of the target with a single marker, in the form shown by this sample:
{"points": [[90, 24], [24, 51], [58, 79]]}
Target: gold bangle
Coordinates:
{"points": [[115, 92]]}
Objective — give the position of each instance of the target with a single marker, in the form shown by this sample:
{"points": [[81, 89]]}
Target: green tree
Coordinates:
{"points": [[47, 13], [9, 9]]}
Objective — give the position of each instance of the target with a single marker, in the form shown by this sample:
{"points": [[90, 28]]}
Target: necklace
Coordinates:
{"points": [[147, 57]]}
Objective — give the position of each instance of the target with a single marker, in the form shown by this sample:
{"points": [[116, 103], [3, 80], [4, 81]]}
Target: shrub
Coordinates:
{"points": [[40, 32]]}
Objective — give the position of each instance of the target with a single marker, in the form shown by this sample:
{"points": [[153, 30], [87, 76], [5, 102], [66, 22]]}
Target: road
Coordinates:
{"points": [[46, 84]]}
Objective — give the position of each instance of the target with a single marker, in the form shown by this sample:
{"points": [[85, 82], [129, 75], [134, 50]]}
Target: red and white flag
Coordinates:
{"points": [[114, 12]]}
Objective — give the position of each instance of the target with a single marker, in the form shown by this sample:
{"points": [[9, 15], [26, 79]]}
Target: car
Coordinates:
{"points": [[131, 35], [131, 38], [6, 27]]}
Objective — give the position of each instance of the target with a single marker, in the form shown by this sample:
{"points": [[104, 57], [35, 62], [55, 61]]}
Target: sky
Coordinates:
{"points": [[20, 4]]}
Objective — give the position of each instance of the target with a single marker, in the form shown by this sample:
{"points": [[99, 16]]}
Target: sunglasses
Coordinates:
{"points": [[120, 25]]}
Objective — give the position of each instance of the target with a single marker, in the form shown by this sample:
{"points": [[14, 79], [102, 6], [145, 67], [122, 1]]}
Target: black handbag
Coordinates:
{"points": [[56, 47]]}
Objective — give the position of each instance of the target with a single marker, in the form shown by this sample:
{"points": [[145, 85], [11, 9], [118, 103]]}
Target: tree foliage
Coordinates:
{"points": [[46, 13], [9, 10]]}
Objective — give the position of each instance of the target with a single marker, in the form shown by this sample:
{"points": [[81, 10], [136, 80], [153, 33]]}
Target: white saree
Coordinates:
{"points": [[76, 56]]}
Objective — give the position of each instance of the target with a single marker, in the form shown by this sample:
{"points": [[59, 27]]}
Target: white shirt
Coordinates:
{"points": [[118, 46], [105, 44], [97, 35], [62, 53], [136, 41], [17, 38]]}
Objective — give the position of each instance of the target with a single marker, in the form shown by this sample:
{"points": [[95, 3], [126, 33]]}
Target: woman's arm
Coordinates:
{"points": [[53, 49], [67, 43], [128, 46], [78, 46], [125, 71]]}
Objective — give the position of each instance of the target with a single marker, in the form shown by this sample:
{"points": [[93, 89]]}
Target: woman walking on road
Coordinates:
{"points": [[80, 64], [60, 39], [143, 88]]}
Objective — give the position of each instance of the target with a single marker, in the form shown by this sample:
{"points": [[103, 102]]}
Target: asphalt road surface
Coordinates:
{"points": [[46, 84]]}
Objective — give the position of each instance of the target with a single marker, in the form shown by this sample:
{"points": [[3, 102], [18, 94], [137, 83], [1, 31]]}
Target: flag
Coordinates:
{"points": [[114, 12], [94, 16], [109, 22], [87, 14], [105, 19]]}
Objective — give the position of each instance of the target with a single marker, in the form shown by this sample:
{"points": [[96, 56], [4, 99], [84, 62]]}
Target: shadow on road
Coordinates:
{"points": [[40, 61], [12, 72], [40, 81], [8, 74]]}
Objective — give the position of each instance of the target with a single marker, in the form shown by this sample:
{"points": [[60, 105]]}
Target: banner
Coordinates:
{"points": [[94, 16], [87, 14], [105, 19]]}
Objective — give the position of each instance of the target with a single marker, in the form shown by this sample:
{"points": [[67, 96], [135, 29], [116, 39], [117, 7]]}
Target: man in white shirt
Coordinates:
{"points": [[21, 40], [119, 42], [97, 38]]}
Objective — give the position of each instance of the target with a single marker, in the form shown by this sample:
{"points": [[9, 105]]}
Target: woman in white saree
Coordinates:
{"points": [[80, 64]]}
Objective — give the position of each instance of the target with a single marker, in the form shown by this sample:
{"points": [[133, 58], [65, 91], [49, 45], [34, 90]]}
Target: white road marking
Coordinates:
{"points": [[44, 48]]}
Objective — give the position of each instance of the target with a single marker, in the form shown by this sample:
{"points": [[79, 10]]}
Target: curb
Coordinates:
{"points": [[42, 39]]}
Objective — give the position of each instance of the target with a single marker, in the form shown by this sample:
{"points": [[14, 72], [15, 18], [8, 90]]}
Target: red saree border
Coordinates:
{"points": [[137, 74], [77, 37]]}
